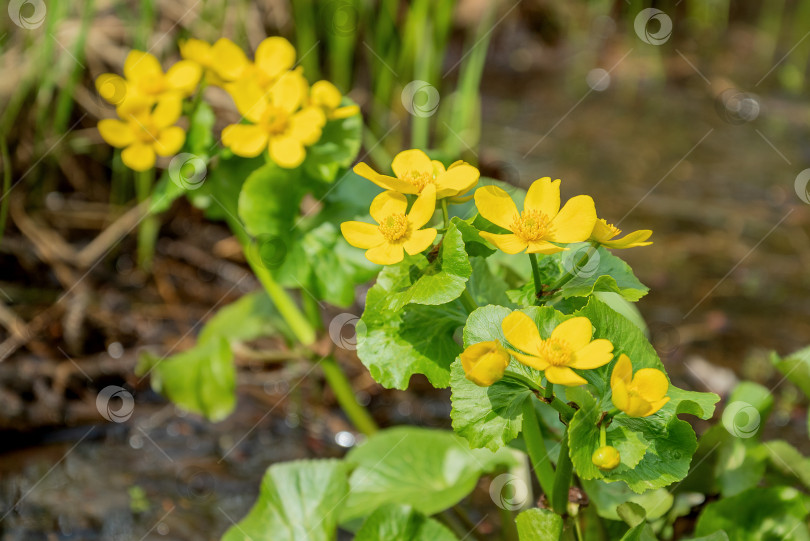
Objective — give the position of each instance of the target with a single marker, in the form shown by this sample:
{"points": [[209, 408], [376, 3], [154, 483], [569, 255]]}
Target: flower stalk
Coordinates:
{"points": [[536, 447], [149, 226]]}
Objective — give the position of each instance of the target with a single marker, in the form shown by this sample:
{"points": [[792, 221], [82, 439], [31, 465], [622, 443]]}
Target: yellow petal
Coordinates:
{"points": [[413, 160], [228, 59], [420, 241], [521, 331], [602, 232], [576, 331], [196, 50], [325, 94], [484, 363], [655, 406], [287, 152], [597, 353], [619, 395], [244, 140], [116, 133], [622, 371], [170, 141], [168, 110], [249, 99], [306, 125], [423, 208], [184, 76], [575, 221], [275, 55], [386, 254], [637, 407], [530, 360], [386, 204], [631, 240], [112, 88], [384, 181], [362, 235], [651, 384], [495, 205], [138, 156], [344, 112], [140, 66], [457, 180], [562, 375], [288, 91], [543, 247], [438, 167], [134, 103], [544, 196], [509, 243]]}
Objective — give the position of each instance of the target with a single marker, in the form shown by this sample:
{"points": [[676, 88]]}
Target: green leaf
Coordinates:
{"points": [[298, 501], [758, 514], [252, 316], [395, 522], [607, 497], [787, 460], [474, 243], [269, 200], [739, 465], [336, 149], [716, 536], [539, 525], [603, 272], [200, 380], [795, 367], [484, 287], [218, 195], [429, 470]]}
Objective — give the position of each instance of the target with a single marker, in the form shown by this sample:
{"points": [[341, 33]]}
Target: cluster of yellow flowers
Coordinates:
{"points": [[284, 114]]}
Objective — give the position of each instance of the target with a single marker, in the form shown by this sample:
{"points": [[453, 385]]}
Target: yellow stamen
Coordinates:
{"points": [[614, 231], [394, 227], [419, 180], [275, 120], [531, 225], [556, 352]]}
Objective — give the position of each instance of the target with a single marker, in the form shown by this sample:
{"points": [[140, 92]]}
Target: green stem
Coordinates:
{"points": [[548, 393], [569, 275], [538, 286], [344, 393], [312, 310], [562, 478], [602, 435], [565, 411], [149, 227], [524, 380], [445, 213], [537, 449], [468, 301], [508, 527]]}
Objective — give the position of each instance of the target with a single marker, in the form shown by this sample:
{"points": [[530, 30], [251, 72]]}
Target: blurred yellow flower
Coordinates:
{"points": [[606, 457], [641, 394], [484, 363], [145, 133], [397, 231], [326, 96], [568, 347], [603, 232], [414, 171], [224, 61], [541, 222], [277, 123]]}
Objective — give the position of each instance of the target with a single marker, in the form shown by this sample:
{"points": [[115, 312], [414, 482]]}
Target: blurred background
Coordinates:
{"points": [[688, 117]]}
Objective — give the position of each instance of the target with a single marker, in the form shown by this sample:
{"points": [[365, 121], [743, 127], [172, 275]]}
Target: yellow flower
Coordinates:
{"points": [[603, 232], [641, 394], [484, 363], [606, 457], [397, 231], [144, 82], [146, 133], [414, 171], [277, 123], [569, 346], [326, 96], [224, 61], [541, 222]]}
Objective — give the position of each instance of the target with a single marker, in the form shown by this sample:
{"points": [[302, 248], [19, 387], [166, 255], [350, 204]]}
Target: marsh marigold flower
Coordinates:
{"points": [[398, 231], [277, 123], [541, 222], [568, 347], [415, 171], [606, 457], [604, 233], [326, 96], [641, 394], [146, 133], [484, 363]]}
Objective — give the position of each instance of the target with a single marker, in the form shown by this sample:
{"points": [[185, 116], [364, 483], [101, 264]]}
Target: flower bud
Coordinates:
{"points": [[484, 363], [606, 457]]}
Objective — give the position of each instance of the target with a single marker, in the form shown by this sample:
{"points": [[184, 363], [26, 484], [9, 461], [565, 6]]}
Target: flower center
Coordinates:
{"points": [[144, 128], [394, 227], [152, 86], [419, 179], [275, 120], [531, 225], [612, 228], [556, 352]]}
